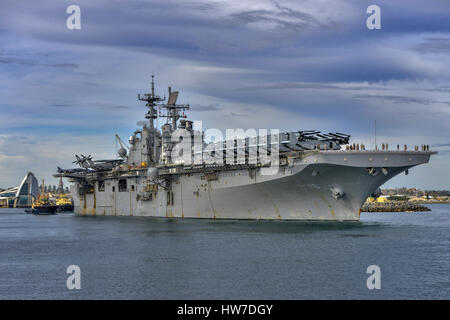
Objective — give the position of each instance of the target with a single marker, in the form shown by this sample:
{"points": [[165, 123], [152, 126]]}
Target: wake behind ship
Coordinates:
{"points": [[172, 172]]}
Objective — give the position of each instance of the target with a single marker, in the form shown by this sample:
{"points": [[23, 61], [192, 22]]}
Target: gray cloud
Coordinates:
{"points": [[11, 60], [232, 114], [283, 19], [88, 105], [399, 99], [441, 145], [434, 45], [206, 107], [351, 87], [311, 85]]}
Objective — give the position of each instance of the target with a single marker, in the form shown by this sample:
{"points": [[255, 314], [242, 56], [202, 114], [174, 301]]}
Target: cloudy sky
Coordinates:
{"points": [[291, 65]]}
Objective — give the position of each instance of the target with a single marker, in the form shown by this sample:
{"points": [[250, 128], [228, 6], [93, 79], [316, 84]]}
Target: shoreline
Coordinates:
{"points": [[394, 206]]}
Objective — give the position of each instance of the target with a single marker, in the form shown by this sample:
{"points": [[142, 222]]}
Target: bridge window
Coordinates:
{"points": [[122, 185], [101, 186]]}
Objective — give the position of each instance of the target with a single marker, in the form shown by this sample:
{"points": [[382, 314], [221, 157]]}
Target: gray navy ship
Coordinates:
{"points": [[173, 172]]}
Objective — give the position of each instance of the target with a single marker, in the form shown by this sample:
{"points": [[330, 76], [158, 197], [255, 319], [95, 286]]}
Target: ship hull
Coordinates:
{"points": [[326, 186], [44, 210], [301, 196]]}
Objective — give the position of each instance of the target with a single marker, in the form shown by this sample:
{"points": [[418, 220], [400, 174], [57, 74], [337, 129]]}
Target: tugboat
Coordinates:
{"points": [[64, 203], [44, 205]]}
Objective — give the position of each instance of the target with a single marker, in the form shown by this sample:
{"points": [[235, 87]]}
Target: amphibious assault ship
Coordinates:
{"points": [[173, 172]]}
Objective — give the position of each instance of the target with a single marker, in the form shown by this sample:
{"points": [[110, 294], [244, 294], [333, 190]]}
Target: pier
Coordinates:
{"points": [[393, 206]]}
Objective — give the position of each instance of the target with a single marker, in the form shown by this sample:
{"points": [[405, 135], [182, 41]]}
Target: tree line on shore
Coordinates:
{"points": [[415, 192]]}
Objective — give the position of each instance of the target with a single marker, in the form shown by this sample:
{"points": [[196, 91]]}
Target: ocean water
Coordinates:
{"points": [[146, 258]]}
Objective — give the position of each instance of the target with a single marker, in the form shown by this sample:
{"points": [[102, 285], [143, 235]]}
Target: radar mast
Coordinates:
{"points": [[151, 99], [174, 110]]}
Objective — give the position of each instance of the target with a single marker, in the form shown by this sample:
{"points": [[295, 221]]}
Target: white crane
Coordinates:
{"points": [[123, 147]]}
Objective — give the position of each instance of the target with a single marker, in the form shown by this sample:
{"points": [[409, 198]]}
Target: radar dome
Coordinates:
{"points": [[122, 152]]}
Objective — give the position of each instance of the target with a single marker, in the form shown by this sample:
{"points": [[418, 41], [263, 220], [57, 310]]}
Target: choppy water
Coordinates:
{"points": [[142, 258]]}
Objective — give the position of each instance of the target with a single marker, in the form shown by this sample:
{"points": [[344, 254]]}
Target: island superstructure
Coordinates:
{"points": [[301, 175]]}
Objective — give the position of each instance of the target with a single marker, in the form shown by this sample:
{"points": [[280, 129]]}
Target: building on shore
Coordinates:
{"points": [[378, 199], [21, 196]]}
